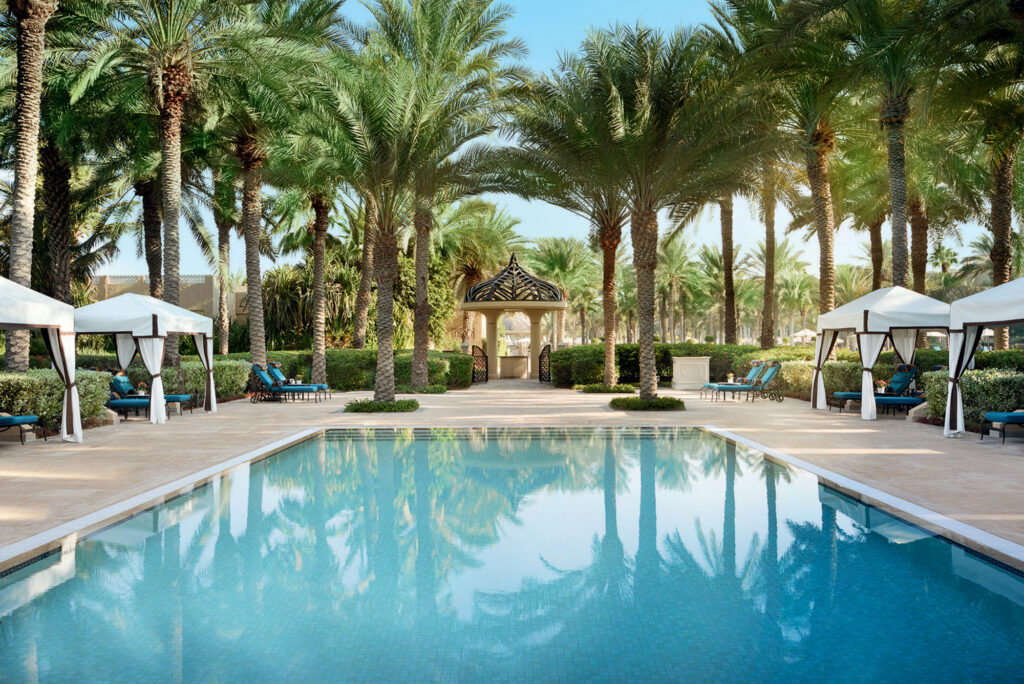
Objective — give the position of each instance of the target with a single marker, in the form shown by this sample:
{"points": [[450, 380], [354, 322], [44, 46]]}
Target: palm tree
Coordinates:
{"points": [[679, 140], [30, 17], [678, 272], [562, 158], [569, 264], [458, 47]]}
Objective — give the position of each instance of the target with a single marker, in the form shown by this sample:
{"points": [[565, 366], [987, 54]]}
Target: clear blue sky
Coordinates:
{"points": [[549, 27]]}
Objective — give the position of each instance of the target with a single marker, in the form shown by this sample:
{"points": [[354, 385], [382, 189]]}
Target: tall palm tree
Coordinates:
{"points": [[30, 17], [569, 264], [458, 47], [679, 140], [562, 158]]}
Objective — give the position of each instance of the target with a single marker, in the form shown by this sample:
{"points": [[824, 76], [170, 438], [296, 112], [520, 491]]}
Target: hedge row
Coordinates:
{"points": [[230, 378], [347, 369], [41, 393], [991, 389], [584, 365]]}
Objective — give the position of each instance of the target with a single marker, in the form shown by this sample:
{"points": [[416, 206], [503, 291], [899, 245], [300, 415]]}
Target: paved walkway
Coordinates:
{"points": [[43, 485]]}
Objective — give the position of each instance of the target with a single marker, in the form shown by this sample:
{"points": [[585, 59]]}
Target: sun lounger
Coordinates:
{"points": [[1004, 418], [269, 389], [23, 423], [898, 387], [755, 370], [274, 368], [123, 398], [761, 387]]}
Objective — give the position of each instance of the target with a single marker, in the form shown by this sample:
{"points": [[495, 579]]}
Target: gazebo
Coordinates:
{"points": [[513, 289], [893, 313], [23, 308], [141, 324]]}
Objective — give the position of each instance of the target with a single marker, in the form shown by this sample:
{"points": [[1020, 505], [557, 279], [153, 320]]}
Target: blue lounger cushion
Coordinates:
{"points": [[898, 401], [855, 396], [275, 370], [134, 402], [11, 421], [177, 398], [992, 417], [295, 388]]}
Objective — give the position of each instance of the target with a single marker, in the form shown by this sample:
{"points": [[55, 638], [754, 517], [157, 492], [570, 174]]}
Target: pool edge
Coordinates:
{"points": [[986, 543], [66, 535]]}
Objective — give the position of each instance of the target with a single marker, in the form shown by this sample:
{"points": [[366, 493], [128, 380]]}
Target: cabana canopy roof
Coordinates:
{"points": [[882, 310], [140, 316], [514, 284], [998, 305], [21, 308]]}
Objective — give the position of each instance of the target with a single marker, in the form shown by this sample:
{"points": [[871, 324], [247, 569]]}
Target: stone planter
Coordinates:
{"points": [[690, 372]]}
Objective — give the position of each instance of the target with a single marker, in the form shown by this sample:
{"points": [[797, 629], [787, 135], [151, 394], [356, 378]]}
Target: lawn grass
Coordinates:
{"points": [[640, 404], [371, 406]]}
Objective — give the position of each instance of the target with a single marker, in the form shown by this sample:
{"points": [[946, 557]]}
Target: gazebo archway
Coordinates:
{"points": [[513, 289]]}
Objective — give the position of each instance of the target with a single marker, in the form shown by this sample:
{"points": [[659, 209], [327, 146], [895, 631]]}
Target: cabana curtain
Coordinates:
{"points": [[126, 349], [61, 346], [822, 350], [904, 341], [151, 349], [962, 346], [204, 345], [870, 347]]}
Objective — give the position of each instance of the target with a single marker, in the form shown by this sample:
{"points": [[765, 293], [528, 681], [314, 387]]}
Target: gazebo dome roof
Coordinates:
{"points": [[514, 284]]}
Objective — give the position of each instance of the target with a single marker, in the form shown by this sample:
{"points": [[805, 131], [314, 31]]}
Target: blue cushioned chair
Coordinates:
{"points": [[895, 404], [1005, 418], [123, 398], [270, 389], [274, 368], [761, 387], [755, 370], [898, 387], [23, 423]]}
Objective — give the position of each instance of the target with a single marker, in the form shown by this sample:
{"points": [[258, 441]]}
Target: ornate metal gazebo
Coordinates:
{"points": [[513, 289]]}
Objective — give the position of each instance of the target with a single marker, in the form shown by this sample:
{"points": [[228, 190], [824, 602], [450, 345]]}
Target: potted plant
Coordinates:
{"points": [[141, 389]]}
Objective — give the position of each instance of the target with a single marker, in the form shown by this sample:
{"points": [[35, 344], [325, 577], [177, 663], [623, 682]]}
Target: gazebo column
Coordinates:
{"points": [[493, 316], [535, 343]]}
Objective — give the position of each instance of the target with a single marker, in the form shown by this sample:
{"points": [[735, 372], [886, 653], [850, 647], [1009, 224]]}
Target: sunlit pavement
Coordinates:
{"points": [[45, 484]]}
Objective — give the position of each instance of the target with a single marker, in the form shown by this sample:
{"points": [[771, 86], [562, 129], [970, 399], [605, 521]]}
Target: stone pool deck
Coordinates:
{"points": [[46, 484]]}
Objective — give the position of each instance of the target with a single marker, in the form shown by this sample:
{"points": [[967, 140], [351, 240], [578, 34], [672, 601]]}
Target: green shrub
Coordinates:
{"points": [[640, 404], [230, 377], [41, 393], [429, 389], [460, 370], [991, 389], [794, 378], [606, 389], [785, 354], [371, 406], [584, 365]]}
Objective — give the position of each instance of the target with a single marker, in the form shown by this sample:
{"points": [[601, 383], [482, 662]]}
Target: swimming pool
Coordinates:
{"points": [[605, 554]]}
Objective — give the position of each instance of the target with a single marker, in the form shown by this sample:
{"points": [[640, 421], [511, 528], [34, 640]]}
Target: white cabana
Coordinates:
{"points": [[893, 313], [21, 308], [968, 317], [141, 324]]}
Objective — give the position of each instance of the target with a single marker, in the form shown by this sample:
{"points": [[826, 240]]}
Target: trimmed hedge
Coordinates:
{"points": [[41, 393], [429, 389], [584, 365], [606, 389], [371, 406], [230, 378], [641, 404], [347, 369], [992, 389]]}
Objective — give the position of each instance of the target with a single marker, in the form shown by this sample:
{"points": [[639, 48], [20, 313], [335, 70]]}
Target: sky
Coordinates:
{"points": [[549, 27]]}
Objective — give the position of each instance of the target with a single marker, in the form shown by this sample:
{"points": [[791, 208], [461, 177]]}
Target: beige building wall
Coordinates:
{"points": [[199, 293]]}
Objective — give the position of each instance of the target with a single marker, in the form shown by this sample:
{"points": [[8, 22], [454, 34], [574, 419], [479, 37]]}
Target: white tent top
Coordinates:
{"points": [[1003, 304], [806, 332], [21, 307], [141, 316], [882, 310]]}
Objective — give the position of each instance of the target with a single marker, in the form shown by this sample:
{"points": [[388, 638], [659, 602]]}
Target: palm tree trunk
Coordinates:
{"points": [[252, 214], [148, 192], [663, 318], [1002, 229], [644, 234], [423, 221], [877, 253], [728, 254], [31, 17], [609, 245], [672, 310], [224, 197], [768, 309], [59, 234], [385, 269], [469, 317], [176, 84], [894, 114], [919, 245], [365, 276], [824, 223], [320, 219]]}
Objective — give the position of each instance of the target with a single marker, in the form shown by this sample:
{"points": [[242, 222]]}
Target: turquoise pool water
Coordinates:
{"points": [[571, 554]]}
